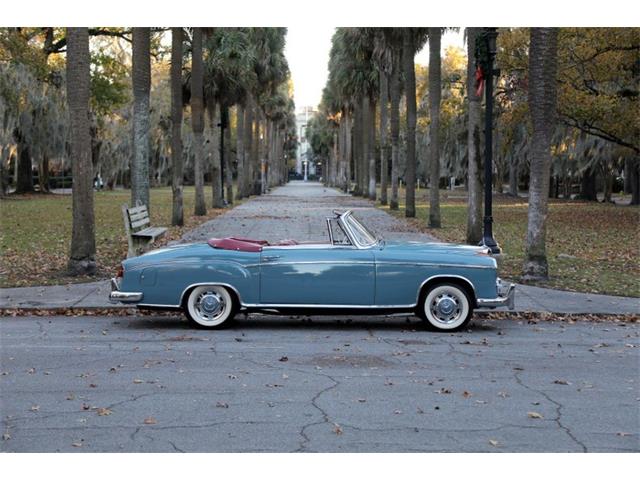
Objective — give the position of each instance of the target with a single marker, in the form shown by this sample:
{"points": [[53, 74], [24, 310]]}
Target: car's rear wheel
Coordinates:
{"points": [[445, 306], [210, 306]]}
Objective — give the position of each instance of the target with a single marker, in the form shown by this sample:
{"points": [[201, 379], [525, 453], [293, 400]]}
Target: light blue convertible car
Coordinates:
{"points": [[356, 271]]}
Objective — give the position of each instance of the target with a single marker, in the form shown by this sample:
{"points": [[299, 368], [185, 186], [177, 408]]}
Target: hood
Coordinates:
{"points": [[435, 247]]}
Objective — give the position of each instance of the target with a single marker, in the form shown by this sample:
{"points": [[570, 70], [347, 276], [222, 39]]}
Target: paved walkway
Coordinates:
{"points": [[297, 210]]}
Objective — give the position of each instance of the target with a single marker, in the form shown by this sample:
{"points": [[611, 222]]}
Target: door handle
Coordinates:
{"points": [[270, 258]]}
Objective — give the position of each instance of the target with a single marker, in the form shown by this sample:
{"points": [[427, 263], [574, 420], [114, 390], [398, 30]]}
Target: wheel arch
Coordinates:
{"points": [[235, 295], [458, 280]]}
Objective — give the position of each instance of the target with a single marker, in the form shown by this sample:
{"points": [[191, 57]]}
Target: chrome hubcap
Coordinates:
{"points": [[446, 307], [210, 305]]}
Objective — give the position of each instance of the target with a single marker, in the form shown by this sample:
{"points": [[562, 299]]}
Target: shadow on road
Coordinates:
{"points": [[268, 322]]}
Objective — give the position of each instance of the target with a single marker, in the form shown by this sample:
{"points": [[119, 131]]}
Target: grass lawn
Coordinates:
{"points": [[591, 247], [35, 233]]}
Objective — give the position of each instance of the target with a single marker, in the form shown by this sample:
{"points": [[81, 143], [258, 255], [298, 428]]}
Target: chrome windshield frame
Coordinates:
{"points": [[343, 220]]}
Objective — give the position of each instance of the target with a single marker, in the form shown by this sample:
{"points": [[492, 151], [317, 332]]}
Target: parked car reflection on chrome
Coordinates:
{"points": [[355, 271]]}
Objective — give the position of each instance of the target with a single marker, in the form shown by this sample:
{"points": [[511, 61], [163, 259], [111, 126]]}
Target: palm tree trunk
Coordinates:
{"points": [[384, 142], [357, 146], [435, 94], [248, 145], [346, 185], [371, 148], [394, 91], [197, 120], [240, 156], [542, 108], [228, 170], [474, 202], [177, 216], [141, 66], [366, 141], [410, 93], [217, 190], [82, 257]]}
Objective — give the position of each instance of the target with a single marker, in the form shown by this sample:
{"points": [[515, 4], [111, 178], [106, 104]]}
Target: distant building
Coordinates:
{"points": [[303, 153]]}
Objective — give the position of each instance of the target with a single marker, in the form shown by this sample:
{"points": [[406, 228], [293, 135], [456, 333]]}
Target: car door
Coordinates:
{"points": [[317, 275]]}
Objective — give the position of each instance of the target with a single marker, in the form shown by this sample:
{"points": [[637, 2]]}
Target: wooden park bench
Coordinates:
{"points": [[140, 233]]}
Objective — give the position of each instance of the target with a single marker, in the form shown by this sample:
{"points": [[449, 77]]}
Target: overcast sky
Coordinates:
{"points": [[307, 51]]}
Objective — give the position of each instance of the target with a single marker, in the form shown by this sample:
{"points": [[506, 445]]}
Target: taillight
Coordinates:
{"points": [[120, 271]]}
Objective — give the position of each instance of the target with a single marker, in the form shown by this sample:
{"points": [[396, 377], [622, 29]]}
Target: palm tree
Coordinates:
{"points": [[177, 38], [384, 124], [141, 66], [435, 94], [543, 57], [408, 52], [474, 210], [82, 259], [394, 37], [197, 119], [240, 150]]}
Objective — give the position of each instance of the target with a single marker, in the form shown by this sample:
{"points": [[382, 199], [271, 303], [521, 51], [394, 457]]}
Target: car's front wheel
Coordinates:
{"points": [[445, 306], [210, 306]]}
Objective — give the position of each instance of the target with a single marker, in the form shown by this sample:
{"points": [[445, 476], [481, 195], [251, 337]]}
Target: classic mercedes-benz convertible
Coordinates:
{"points": [[356, 271]]}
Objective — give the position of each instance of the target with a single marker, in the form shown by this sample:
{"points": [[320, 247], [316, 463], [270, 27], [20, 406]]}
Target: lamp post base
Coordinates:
{"points": [[491, 244]]}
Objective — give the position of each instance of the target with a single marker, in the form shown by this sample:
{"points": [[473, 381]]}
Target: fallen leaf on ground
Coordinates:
{"points": [[534, 415], [150, 421]]}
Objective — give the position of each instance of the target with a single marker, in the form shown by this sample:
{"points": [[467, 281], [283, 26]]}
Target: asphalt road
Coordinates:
{"points": [[96, 384]]}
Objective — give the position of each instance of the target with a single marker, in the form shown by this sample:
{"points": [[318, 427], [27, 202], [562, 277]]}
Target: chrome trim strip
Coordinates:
{"points": [[315, 305], [433, 264], [307, 262], [157, 305]]}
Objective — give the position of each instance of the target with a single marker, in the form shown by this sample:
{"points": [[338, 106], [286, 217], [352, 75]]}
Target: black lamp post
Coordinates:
{"points": [[489, 37]]}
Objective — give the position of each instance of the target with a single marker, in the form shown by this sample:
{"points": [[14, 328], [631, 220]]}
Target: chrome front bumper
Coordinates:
{"points": [[116, 296], [506, 297]]}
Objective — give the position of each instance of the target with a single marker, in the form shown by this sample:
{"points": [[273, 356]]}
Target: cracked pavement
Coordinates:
{"points": [[312, 384]]}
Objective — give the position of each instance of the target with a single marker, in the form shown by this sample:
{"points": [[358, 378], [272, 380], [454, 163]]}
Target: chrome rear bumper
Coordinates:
{"points": [[506, 297], [116, 296]]}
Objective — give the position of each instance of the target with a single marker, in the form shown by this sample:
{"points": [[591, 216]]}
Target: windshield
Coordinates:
{"points": [[362, 234]]}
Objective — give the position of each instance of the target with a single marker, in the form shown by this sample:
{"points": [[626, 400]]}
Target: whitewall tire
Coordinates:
{"points": [[446, 307], [210, 306]]}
